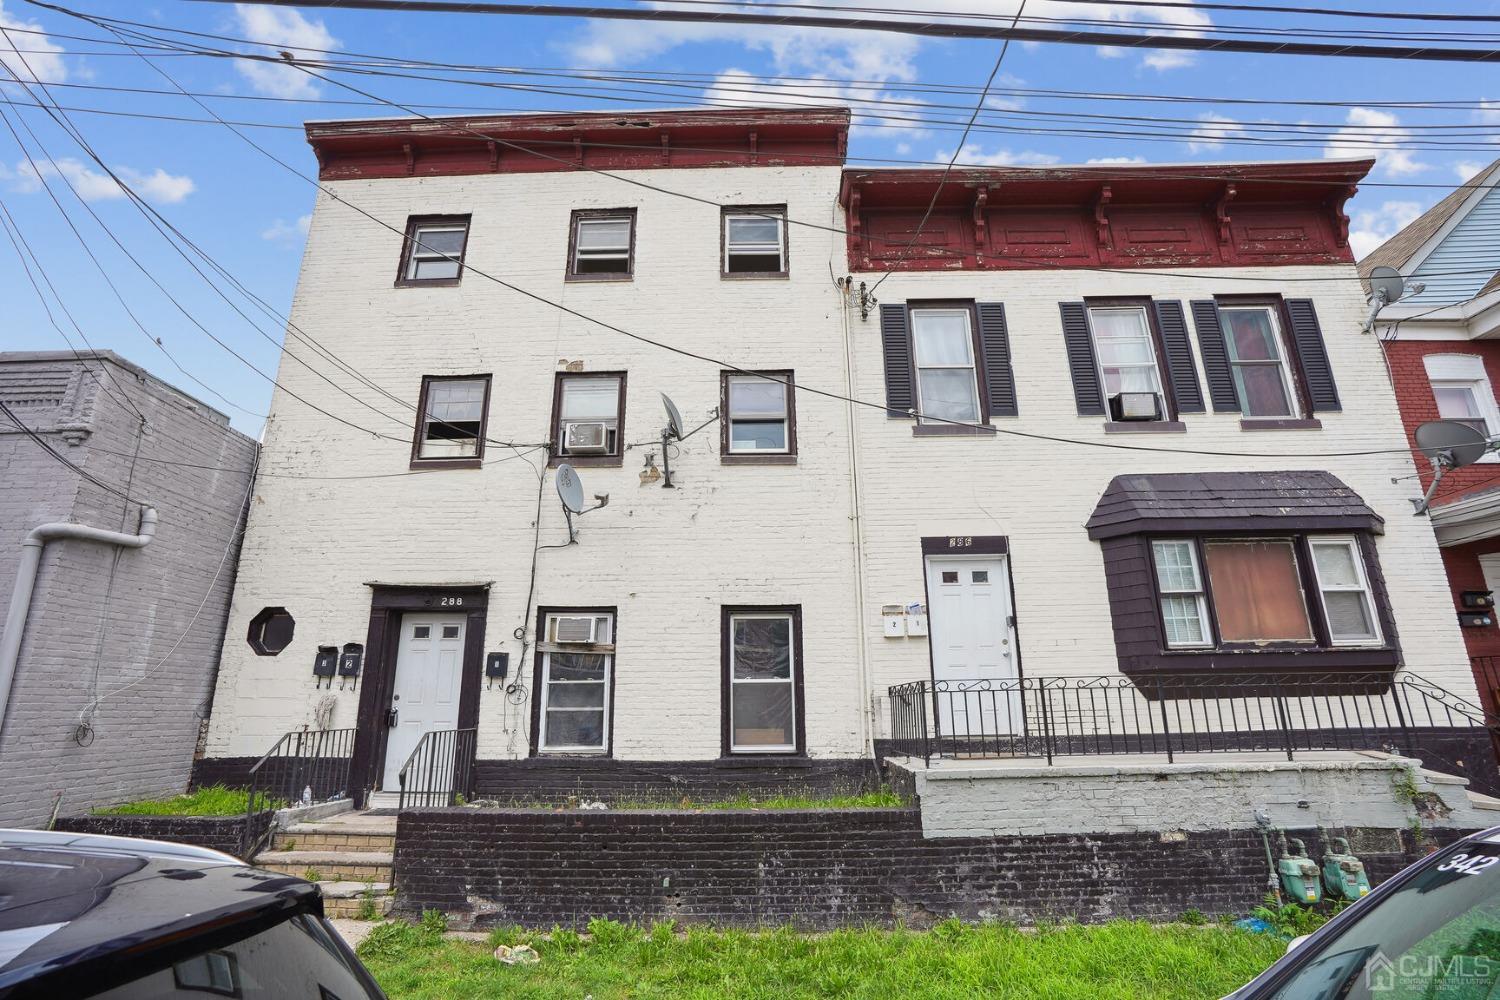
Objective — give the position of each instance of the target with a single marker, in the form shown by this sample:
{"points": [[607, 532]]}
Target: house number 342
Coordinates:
{"points": [[962, 542], [452, 602]]}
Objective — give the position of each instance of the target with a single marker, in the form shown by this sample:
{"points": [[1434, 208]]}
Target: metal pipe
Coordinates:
{"points": [[31, 560]]}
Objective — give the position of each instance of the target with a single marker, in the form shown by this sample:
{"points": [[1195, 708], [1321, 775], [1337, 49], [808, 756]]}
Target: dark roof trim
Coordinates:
{"points": [[1230, 501]]}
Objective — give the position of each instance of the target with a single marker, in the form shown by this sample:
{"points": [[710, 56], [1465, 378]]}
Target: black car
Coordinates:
{"points": [[1432, 932], [119, 919]]}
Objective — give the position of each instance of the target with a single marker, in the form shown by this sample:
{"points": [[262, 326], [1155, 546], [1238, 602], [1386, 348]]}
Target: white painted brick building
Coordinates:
{"points": [[356, 536]]}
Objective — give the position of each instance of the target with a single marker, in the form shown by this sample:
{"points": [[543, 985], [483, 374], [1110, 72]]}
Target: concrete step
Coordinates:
{"points": [[343, 866], [307, 837], [347, 900]]}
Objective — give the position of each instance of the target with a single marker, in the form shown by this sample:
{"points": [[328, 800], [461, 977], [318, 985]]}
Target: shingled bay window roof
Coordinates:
{"points": [[1230, 501]]}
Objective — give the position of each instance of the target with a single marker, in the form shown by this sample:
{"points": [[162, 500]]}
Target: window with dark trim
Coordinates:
{"points": [[588, 418], [1259, 359], [760, 420], [754, 242], [452, 413], [945, 356], [1264, 357], [1308, 590], [575, 665], [601, 245], [432, 252], [762, 676], [271, 631]]}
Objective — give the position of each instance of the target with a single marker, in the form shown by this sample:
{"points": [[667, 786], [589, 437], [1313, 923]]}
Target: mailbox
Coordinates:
{"points": [[326, 661], [354, 654]]}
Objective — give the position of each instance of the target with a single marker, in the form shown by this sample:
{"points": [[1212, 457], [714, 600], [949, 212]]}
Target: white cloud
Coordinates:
{"points": [[282, 231], [96, 185], [1212, 133], [1120, 160], [974, 156], [42, 59], [1466, 169], [286, 29], [1167, 59], [1372, 227], [1489, 112], [1371, 132]]}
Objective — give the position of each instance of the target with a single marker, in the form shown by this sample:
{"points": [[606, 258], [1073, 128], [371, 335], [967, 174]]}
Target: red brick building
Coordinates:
{"points": [[1442, 344]]}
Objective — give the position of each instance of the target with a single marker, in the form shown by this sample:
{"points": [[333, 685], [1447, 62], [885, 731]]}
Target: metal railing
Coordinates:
{"points": [[1049, 717], [314, 762], [440, 769]]}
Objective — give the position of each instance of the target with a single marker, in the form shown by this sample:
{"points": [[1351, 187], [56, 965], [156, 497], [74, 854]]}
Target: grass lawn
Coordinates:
{"points": [[215, 800], [1117, 961]]}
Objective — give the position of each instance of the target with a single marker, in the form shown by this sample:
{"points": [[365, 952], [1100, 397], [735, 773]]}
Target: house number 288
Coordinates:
{"points": [[452, 602]]}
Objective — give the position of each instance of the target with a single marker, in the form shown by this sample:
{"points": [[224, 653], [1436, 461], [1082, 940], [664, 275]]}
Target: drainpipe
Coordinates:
{"points": [[31, 559]]}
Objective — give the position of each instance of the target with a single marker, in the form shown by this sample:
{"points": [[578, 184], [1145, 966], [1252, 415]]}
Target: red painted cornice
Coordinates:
{"points": [[531, 143]]}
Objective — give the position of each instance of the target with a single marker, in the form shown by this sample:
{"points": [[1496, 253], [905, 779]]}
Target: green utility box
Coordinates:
{"points": [[1343, 874], [1299, 876]]}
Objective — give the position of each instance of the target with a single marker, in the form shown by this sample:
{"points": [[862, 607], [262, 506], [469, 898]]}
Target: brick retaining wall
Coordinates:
{"points": [[221, 833], [820, 869], [552, 780]]}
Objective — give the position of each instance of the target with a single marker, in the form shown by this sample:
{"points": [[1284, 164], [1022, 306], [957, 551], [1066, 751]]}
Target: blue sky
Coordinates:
{"points": [[250, 215]]}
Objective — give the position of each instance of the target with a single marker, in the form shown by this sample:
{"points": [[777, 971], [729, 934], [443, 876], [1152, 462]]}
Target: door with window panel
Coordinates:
{"points": [[943, 351], [575, 689], [972, 639]]}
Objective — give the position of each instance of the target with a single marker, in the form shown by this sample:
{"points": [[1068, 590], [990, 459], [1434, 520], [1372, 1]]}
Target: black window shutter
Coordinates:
{"points": [[895, 343], [994, 340], [1307, 339], [1180, 371], [1087, 391], [1215, 357]]}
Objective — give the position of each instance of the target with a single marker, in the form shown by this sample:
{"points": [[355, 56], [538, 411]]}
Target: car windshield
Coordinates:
{"points": [[292, 960], [1435, 938]]}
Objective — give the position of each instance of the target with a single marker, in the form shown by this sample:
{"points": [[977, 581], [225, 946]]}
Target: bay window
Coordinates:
{"points": [[1346, 592], [763, 685]]}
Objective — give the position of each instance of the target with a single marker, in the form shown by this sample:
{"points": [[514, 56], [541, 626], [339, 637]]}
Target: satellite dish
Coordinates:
{"points": [[569, 489], [1451, 442], [674, 429], [1386, 284]]}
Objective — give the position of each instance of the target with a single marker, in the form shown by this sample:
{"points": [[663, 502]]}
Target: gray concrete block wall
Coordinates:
{"points": [[90, 641]]}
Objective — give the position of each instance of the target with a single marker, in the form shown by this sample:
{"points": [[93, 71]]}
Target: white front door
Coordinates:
{"points": [[973, 642], [429, 663]]}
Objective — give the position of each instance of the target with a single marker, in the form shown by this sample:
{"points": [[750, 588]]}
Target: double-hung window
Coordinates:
{"points": [[1463, 392], [1258, 361], [590, 412], [755, 241], [1128, 365], [576, 673], [759, 409], [433, 252], [450, 428], [762, 684], [1249, 592], [943, 353], [1345, 591], [603, 244]]}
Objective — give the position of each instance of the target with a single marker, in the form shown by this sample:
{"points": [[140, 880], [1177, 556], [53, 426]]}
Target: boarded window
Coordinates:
{"points": [[1257, 591]]}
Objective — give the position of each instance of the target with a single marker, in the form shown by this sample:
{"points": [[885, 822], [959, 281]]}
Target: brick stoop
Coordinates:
{"points": [[352, 855]]}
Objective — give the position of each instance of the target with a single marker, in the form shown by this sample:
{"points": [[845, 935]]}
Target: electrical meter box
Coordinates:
{"points": [[1477, 599], [496, 665], [1343, 874], [1299, 876], [1475, 619]]}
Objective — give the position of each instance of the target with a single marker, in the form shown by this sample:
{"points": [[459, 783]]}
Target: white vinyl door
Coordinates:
{"points": [[973, 642], [429, 663]]}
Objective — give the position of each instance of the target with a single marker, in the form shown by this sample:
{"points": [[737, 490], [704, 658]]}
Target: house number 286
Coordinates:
{"points": [[962, 542], [452, 602]]}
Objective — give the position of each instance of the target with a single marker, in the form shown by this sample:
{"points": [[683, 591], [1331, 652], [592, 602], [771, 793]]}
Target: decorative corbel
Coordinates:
{"points": [[577, 151], [754, 148], [1221, 212], [855, 224], [666, 149], [1340, 219], [494, 156], [843, 144], [1101, 216], [981, 201], [411, 158]]}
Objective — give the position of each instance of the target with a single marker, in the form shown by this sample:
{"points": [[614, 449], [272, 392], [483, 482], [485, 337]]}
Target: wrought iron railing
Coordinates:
{"points": [[440, 769], [1051, 717], [311, 764]]}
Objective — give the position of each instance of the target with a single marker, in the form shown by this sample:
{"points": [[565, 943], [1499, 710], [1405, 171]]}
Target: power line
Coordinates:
{"points": [[937, 29]]}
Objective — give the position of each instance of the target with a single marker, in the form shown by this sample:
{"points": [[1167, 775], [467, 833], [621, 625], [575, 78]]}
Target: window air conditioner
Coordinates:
{"points": [[585, 438], [573, 630], [1135, 406]]}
